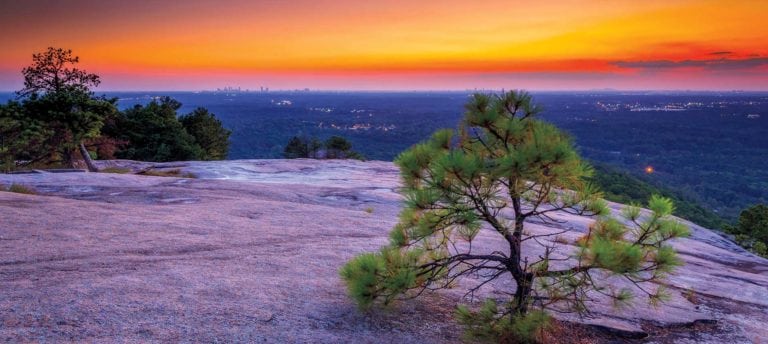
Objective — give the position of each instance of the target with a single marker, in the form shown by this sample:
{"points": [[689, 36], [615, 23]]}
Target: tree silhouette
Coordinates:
{"points": [[58, 95], [55, 71], [337, 147]]}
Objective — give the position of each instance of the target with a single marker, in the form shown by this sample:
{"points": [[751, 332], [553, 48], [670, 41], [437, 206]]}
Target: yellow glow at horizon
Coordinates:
{"points": [[404, 35]]}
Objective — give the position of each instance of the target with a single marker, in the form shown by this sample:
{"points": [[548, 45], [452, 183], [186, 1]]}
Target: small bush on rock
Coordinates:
{"points": [[22, 189]]}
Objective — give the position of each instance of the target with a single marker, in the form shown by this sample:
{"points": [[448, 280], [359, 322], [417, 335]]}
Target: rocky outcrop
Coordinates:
{"points": [[249, 251]]}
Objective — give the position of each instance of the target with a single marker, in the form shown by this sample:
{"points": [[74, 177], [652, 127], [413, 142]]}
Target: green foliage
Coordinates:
{"points": [[753, 221], [502, 167], [208, 132], [116, 170], [379, 276], [622, 187], [169, 173], [21, 136], [760, 248], [56, 114], [640, 250], [661, 206], [302, 147], [361, 275], [336, 146], [485, 325], [22, 189], [154, 133], [70, 115], [295, 149], [752, 228]]}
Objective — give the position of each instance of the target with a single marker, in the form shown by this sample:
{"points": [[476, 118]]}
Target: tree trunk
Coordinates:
{"points": [[523, 278], [87, 158], [523, 293], [67, 158]]}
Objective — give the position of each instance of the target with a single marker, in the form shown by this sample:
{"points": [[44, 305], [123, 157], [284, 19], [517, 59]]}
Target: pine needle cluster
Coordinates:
{"points": [[501, 168]]}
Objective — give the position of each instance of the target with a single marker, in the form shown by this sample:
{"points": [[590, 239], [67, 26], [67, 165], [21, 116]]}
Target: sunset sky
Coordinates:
{"points": [[397, 45]]}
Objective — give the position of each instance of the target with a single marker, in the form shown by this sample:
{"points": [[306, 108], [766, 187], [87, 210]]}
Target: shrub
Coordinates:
{"points": [[118, 170], [336, 147], [485, 325], [690, 295], [169, 173], [22, 189], [751, 231], [760, 248], [154, 133]]}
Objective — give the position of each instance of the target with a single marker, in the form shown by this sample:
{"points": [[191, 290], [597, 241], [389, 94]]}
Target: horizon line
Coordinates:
{"points": [[309, 90]]}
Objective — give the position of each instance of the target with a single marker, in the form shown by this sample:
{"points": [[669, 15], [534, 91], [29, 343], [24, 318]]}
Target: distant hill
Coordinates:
{"points": [[623, 187], [709, 148]]}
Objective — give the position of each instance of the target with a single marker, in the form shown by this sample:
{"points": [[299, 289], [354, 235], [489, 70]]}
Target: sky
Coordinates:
{"points": [[396, 44]]}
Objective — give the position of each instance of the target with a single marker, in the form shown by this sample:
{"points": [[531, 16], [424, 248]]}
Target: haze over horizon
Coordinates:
{"points": [[393, 45]]}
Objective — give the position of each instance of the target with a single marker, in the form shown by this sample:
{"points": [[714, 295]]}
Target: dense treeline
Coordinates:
{"points": [[54, 114], [622, 187], [56, 120], [156, 132], [32, 136], [751, 231], [208, 132]]}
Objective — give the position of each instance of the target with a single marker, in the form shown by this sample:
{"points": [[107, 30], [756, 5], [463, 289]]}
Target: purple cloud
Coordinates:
{"points": [[711, 64]]}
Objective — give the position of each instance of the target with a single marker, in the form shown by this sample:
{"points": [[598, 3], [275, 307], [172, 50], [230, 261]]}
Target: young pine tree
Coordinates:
{"points": [[502, 168]]}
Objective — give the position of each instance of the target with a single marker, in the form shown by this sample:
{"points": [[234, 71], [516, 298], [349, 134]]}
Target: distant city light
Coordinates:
{"points": [[649, 169]]}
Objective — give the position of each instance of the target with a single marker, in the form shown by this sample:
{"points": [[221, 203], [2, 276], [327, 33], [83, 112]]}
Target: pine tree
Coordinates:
{"points": [[57, 96], [154, 133], [502, 167], [337, 147], [208, 132], [751, 230], [296, 148]]}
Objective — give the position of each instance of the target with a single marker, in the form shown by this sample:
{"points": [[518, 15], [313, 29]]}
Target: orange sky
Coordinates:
{"points": [[353, 44]]}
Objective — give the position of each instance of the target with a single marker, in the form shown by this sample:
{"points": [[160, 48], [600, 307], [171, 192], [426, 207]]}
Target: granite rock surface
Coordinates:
{"points": [[249, 251]]}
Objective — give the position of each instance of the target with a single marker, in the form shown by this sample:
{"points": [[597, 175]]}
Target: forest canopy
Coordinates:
{"points": [[156, 132]]}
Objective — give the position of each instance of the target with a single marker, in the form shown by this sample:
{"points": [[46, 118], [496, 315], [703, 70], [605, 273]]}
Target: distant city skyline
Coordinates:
{"points": [[393, 45]]}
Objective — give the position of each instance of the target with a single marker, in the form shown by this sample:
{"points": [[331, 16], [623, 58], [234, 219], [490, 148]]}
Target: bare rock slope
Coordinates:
{"points": [[250, 251]]}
